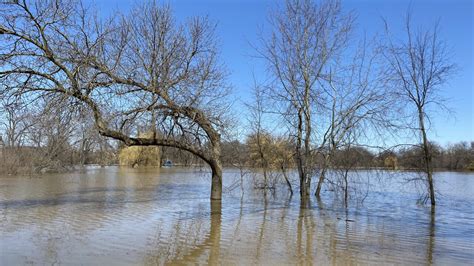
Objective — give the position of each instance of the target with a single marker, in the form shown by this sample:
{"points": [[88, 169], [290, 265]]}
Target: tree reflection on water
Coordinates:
{"points": [[113, 217]]}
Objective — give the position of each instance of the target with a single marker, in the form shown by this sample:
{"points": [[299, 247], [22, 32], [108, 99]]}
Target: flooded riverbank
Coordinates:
{"points": [[120, 216]]}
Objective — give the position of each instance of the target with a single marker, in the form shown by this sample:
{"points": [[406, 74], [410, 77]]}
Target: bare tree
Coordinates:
{"points": [[420, 66], [132, 71], [306, 37], [51, 134], [15, 123], [458, 156], [39, 134], [258, 141], [356, 105]]}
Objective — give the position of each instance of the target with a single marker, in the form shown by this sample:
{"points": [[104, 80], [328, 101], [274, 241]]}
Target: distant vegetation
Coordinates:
{"points": [[454, 157]]}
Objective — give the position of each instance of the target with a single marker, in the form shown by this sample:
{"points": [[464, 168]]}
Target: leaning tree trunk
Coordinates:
{"points": [[216, 184], [427, 158], [322, 176], [216, 168]]}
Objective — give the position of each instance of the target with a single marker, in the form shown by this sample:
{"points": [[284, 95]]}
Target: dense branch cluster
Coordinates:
{"points": [[142, 70]]}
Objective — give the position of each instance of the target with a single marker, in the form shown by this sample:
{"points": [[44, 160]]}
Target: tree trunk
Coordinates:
{"points": [[263, 163], [320, 182], [283, 170], [300, 160], [216, 185], [427, 158], [305, 188], [346, 187], [307, 145], [216, 167]]}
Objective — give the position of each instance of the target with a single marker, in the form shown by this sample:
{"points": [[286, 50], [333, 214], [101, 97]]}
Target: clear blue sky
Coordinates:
{"points": [[239, 22]]}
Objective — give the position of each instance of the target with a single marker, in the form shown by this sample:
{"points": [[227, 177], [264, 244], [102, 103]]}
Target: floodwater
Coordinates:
{"points": [[120, 216]]}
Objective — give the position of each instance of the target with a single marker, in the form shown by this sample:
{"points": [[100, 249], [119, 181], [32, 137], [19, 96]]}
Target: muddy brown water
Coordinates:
{"points": [[121, 216]]}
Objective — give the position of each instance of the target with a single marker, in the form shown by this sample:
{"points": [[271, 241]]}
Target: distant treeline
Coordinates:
{"points": [[51, 158], [458, 156], [57, 156]]}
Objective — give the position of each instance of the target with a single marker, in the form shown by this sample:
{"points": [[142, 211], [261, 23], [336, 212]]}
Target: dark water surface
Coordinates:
{"points": [[120, 216]]}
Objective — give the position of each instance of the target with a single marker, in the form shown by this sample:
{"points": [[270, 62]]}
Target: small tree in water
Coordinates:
{"points": [[419, 66], [305, 40]]}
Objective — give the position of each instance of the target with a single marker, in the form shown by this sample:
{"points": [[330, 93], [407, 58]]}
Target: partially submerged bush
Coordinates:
{"points": [[139, 156]]}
